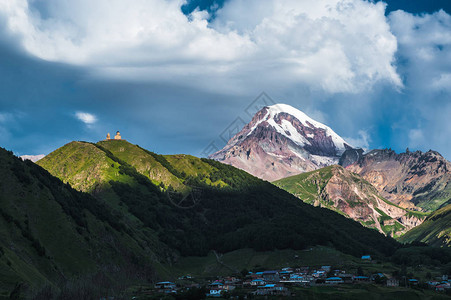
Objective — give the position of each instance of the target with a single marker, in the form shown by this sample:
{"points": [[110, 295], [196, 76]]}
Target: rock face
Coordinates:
{"points": [[349, 194], [415, 180], [350, 156], [281, 141]]}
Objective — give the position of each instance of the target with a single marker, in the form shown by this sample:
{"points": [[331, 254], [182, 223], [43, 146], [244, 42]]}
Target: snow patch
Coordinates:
{"points": [[289, 131], [323, 160]]}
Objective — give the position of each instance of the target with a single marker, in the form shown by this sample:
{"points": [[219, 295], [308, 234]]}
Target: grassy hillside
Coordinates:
{"points": [[435, 230], [227, 209], [347, 193], [52, 235]]}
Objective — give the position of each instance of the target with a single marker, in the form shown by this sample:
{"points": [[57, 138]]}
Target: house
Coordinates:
{"points": [[319, 274], [347, 278], [378, 276], [413, 281], [433, 283], [442, 287], [366, 257], [215, 292], [392, 282], [334, 280], [272, 289], [257, 282], [216, 285], [361, 278], [166, 287], [288, 270], [271, 276], [285, 275], [231, 280], [325, 268]]}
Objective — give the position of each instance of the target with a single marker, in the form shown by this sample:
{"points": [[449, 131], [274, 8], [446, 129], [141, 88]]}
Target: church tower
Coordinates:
{"points": [[118, 136]]}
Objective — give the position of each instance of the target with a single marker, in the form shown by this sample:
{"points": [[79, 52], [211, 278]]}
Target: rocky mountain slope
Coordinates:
{"points": [[435, 230], [349, 194], [415, 180], [281, 141]]}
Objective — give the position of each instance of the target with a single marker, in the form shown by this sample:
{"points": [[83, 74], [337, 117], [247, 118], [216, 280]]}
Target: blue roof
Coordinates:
{"points": [[216, 283], [257, 280], [361, 277], [269, 285], [334, 278], [413, 279]]}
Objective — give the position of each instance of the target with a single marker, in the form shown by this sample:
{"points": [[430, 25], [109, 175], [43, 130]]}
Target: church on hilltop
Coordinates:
{"points": [[116, 137]]}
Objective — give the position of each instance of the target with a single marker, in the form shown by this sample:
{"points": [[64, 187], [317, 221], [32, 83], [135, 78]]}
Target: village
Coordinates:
{"points": [[284, 282]]}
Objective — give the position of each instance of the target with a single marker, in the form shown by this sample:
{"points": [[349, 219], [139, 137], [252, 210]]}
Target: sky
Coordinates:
{"points": [[178, 76]]}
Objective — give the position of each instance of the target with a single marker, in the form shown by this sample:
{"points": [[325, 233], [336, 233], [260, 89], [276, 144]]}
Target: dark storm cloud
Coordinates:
{"points": [[179, 99]]}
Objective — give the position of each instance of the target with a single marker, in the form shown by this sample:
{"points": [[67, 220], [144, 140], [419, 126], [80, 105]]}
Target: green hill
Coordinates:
{"points": [[349, 194], [52, 235], [435, 230], [219, 207]]}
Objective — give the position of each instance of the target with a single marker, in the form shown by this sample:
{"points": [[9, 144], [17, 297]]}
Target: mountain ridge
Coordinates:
{"points": [[347, 193], [257, 206], [417, 180]]}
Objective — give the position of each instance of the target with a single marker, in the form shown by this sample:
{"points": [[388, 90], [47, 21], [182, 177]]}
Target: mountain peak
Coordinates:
{"points": [[281, 141], [278, 111]]}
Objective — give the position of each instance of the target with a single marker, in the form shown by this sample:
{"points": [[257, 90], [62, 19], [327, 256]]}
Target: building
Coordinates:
{"points": [[392, 282], [215, 292], [361, 278], [272, 289], [271, 276], [366, 257], [258, 282], [413, 281], [166, 287], [116, 137], [334, 280]]}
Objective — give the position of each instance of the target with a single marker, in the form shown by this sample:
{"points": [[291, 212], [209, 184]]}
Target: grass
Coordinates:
{"points": [[365, 291], [250, 259], [435, 230]]}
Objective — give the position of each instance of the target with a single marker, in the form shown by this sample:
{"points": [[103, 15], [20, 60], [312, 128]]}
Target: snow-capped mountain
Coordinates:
{"points": [[281, 141]]}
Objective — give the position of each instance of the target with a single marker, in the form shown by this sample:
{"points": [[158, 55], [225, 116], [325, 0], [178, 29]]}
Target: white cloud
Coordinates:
{"points": [[425, 47], [425, 62], [332, 45], [86, 118], [416, 138], [362, 141]]}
